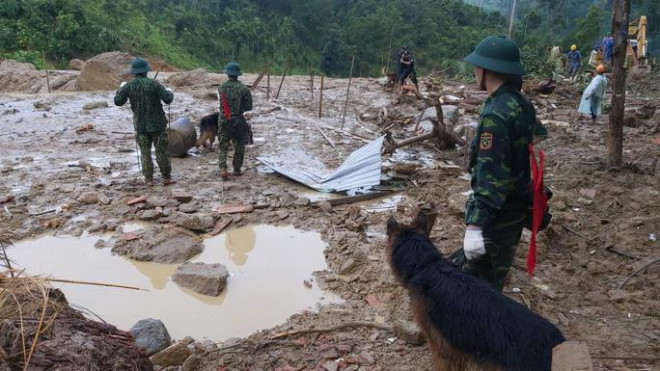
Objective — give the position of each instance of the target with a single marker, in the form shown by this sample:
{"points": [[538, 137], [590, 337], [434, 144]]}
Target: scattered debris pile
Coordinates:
{"points": [[24, 78]]}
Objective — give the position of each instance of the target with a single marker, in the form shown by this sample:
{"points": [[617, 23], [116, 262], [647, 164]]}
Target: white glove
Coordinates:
{"points": [[473, 244], [168, 89], [122, 84]]}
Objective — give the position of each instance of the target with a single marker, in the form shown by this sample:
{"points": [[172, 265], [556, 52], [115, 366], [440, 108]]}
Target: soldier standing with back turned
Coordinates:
{"points": [[149, 119], [235, 100]]}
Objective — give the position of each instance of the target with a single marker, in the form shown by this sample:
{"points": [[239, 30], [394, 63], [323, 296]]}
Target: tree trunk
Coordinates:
{"points": [[620, 18], [511, 19]]}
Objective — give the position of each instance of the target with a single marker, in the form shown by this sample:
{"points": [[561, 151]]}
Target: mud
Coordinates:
{"points": [[603, 218]]}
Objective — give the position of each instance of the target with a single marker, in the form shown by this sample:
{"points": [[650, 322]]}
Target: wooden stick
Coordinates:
{"points": [[268, 87], [286, 70], [325, 136], [348, 90], [37, 333], [333, 328], [44, 212], [357, 198], [96, 284], [321, 97], [312, 83], [47, 79], [260, 77], [633, 274]]}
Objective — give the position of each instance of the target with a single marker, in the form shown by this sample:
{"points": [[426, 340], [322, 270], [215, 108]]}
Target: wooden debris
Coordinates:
{"points": [[357, 198], [325, 136], [220, 226], [235, 209], [136, 200]]}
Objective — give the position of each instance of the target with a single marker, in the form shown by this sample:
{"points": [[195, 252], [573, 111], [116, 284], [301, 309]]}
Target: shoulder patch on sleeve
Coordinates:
{"points": [[486, 141]]}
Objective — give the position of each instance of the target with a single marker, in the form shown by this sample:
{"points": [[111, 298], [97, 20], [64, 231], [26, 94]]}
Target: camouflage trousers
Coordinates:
{"points": [[160, 143], [223, 148], [501, 244]]}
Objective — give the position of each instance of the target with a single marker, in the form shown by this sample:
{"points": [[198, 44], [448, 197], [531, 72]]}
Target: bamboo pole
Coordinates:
{"points": [[321, 98], [348, 90], [286, 70]]}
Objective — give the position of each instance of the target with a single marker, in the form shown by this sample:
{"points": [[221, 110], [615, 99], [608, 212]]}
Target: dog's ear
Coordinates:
{"points": [[392, 226], [422, 221]]}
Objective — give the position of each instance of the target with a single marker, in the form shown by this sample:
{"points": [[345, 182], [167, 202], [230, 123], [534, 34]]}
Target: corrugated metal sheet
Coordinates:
{"points": [[362, 168]]}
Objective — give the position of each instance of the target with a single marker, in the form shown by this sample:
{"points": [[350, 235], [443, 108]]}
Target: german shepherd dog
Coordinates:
{"points": [[208, 129], [463, 319]]}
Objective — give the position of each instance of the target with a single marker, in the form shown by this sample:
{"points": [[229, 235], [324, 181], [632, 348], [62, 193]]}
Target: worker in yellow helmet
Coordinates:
{"points": [[574, 62]]}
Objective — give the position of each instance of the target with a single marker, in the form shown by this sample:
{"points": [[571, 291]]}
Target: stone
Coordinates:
{"points": [[105, 71], [585, 201], [149, 214], [409, 332], [596, 297], [302, 201], [88, 198], [172, 246], [181, 195], [330, 353], [188, 208], [42, 106], [588, 192], [206, 279], [103, 199], [76, 64], [348, 266], [94, 105], [192, 363], [457, 201], [571, 356], [287, 200], [449, 113], [151, 335], [366, 357], [195, 222], [156, 201], [330, 366], [209, 345], [174, 355], [325, 206]]}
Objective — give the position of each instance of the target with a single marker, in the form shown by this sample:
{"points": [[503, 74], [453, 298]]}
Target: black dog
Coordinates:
{"points": [[208, 129], [461, 316]]}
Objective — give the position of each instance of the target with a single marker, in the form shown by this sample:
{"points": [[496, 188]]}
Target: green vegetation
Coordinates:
{"points": [[310, 35]]}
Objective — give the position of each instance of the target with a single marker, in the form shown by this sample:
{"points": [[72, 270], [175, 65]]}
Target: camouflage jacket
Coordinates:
{"points": [[145, 95], [239, 98], [499, 158]]}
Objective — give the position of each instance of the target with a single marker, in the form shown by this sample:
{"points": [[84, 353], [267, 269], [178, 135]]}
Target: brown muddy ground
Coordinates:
{"points": [[602, 231]]}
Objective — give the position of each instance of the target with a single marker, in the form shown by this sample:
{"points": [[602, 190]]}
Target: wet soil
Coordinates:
{"points": [[603, 229]]}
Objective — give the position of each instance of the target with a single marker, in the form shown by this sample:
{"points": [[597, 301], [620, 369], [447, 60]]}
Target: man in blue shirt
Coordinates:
{"points": [[608, 48], [574, 62]]}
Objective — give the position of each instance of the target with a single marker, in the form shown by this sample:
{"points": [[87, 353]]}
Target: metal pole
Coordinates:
{"points": [[348, 90], [321, 97]]}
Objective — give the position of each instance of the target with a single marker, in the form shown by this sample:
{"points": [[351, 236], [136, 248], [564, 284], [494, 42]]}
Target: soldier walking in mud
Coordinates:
{"points": [[149, 119], [499, 163], [235, 100]]}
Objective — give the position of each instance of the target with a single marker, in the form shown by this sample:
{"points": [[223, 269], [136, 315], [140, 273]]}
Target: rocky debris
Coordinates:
{"points": [[457, 202], [42, 106], [302, 201], [157, 201], [149, 215], [10, 65], [181, 195], [192, 363], [194, 222], [103, 199], [163, 246], [325, 206], [105, 71], [188, 208], [175, 355], [94, 105], [206, 279], [571, 356], [151, 335], [76, 64], [198, 77], [88, 198], [588, 192], [348, 266], [409, 332]]}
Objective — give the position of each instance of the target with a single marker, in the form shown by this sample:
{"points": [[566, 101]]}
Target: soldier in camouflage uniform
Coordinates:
{"points": [[238, 101], [149, 119], [499, 163]]}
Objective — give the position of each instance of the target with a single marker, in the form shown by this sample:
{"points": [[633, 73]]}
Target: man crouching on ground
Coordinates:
{"points": [[235, 100], [149, 119]]}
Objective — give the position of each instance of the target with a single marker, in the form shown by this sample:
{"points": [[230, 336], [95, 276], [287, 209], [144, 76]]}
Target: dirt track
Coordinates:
{"points": [[603, 219]]}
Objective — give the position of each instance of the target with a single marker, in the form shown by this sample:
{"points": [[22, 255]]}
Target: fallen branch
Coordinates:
{"points": [[357, 198], [325, 136], [633, 274], [44, 212], [96, 284], [333, 328]]}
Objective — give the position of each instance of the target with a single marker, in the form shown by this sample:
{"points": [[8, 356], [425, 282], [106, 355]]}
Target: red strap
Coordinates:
{"points": [[225, 106], [539, 204]]}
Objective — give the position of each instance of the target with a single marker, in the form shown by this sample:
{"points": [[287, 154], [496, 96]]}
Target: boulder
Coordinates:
{"points": [[151, 335], [10, 65], [175, 355], [195, 78], [206, 279], [76, 64], [105, 71], [449, 113]]}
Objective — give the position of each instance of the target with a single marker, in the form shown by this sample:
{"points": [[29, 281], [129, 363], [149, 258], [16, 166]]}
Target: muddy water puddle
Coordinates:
{"points": [[267, 267]]}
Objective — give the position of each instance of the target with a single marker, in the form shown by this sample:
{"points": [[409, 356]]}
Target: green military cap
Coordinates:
{"points": [[139, 65], [233, 69], [497, 54]]}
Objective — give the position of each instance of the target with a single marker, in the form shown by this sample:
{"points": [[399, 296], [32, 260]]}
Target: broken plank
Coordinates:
{"points": [[235, 209], [136, 200], [220, 226], [325, 136]]}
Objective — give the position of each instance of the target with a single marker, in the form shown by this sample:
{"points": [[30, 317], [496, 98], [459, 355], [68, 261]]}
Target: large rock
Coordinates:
{"points": [[449, 113], [167, 246], [10, 65], [194, 222], [172, 356], [571, 356], [76, 64], [206, 279], [198, 77], [151, 335], [105, 71], [21, 77]]}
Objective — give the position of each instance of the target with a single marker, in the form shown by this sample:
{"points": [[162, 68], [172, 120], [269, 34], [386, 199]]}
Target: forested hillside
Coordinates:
{"points": [[312, 35]]}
